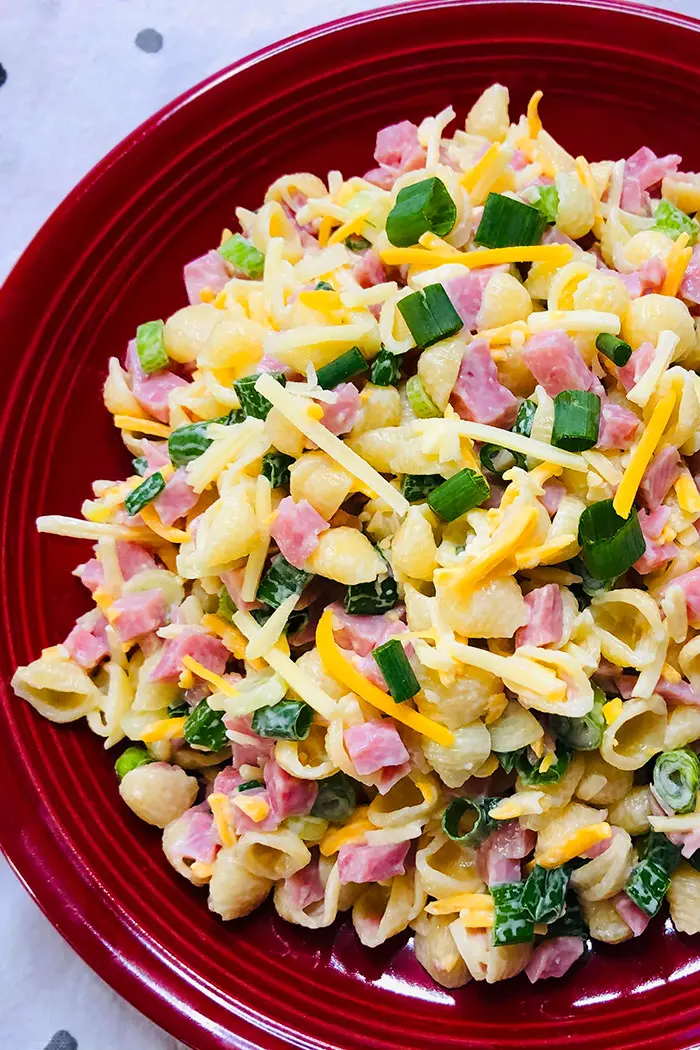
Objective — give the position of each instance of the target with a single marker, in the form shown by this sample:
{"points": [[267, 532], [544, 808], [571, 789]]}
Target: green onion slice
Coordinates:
{"points": [[610, 545], [188, 442], [140, 465], [524, 418], [497, 460], [150, 346], [281, 581], [205, 728], [458, 494], [544, 893], [275, 467], [571, 924], [415, 487], [349, 364], [144, 493], [616, 349], [675, 779], [586, 733], [243, 256], [671, 220], [371, 599], [386, 368], [399, 676], [430, 315], [547, 202], [253, 403], [336, 798], [182, 710], [529, 772], [420, 401], [424, 207], [356, 243], [647, 886], [226, 606], [511, 922], [655, 846], [324, 286], [130, 759], [508, 222], [576, 420], [250, 785], [468, 820], [286, 720]]}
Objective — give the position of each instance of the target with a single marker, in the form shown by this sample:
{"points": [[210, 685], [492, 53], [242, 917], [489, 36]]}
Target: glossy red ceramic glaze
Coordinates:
{"points": [[614, 77]]}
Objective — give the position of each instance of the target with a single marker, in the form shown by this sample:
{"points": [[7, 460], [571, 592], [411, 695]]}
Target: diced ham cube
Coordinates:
{"points": [[642, 171], [295, 530], [247, 748], [210, 652], [242, 822], [691, 843], [385, 778], [197, 838], [557, 365], [289, 796], [553, 957], [689, 583], [341, 415], [374, 745], [132, 559], [208, 271], [637, 365], [552, 496], [138, 614], [226, 782], [369, 269], [397, 151], [690, 285], [362, 634], [232, 580], [360, 863], [652, 274], [151, 391], [636, 919], [618, 426], [657, 552], [545, 617], [305, 886], [155, 453], [268, 363], [382, 177], [176, 498], [87, 642], [467, 291], [658, 478], [677, 693], [478, 395], [498, 858]]}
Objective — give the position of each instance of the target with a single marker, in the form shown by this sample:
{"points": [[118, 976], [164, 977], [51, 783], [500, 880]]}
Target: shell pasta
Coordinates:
{"points": [[396, 614]]}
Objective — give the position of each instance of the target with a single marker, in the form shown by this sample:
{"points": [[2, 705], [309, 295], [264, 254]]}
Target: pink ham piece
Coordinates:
{"points": [[636, 919], [689, 583], [658, 478], [87, 642], [232, 580], [208, 271], [132, 559], [137, 614], [360, 863], [657, 553], [341, 415], [553, 957], [384, 779], [552, 496], [677, 693], [289, 796], [247, 748], [267, 363], [197, 838], [155, 453], [369, 270], [362, 634], [478, 395], [557, 365], [691, 843], [305, 886], [151, 391], [637, 365], [367, 667], [176, 498], [397, 151], [467, 291], [545, 617], [242, 822], [210, 652], [642, 171], [374, 745], [618, 426], [226, 782], [690, 285], [498, 858], [295, 530]]}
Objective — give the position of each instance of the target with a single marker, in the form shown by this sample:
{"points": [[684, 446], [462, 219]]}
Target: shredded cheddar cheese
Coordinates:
{"points": [[577, 843], [221, 808], [219, 683], [641, 457]]}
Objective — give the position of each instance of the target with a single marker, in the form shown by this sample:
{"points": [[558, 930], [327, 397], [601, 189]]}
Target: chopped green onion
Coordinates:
{"points": [[586, 733], [458, 494], [179, 710], [150, 346], [144, 493], [647, 885], [610, 545], [371, 599], [616, 349], [399, 676], [508, 760], [386, 368], [507, 222], [497, 460], [349, 364], [226, 606], [275, 467], [140, 465], [590, 585], [529, 772], [423, 207], [415, 487], [324, 286], [430, 315], [571, 924], [655, 846], [296, 622], [249, 785], [675, 779], [671, 220], [243, 256], [576, 420], [524, 418], [236, 415], [281, 581], [188, 442], [205, 728], [336, 798], [253, 403], [130, 759], [468, 820], [511, 923], [547, 202], [287, 720], [421, 402], [544, 893], [356, 243]]}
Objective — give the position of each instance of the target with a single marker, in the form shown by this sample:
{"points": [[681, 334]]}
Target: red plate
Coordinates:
{"points": [[614, 77]]}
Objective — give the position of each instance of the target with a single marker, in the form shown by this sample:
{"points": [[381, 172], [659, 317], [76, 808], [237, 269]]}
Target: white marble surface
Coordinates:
{"points": [[76, 84]]}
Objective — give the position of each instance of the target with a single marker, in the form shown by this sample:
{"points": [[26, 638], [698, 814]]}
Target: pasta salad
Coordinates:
{"points": [[398, 611]]}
